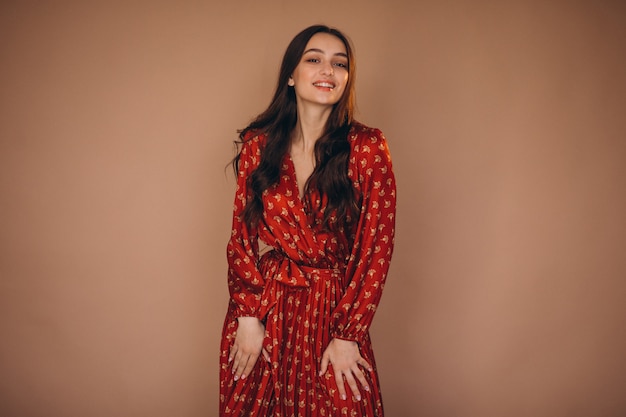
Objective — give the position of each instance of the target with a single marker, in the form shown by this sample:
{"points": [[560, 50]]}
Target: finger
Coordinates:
{"points": [[365, 364], [233, 352], [340, 385], [266, 355], [249, 365], [241, 360], [360, 376], [353, 386], [324, 364], [237, 356]]}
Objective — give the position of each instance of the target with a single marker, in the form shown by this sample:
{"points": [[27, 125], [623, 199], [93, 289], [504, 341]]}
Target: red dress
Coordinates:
{"points": [[312, 285]]}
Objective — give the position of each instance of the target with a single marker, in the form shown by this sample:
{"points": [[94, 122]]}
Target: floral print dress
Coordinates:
{"points": [[308, 285]]}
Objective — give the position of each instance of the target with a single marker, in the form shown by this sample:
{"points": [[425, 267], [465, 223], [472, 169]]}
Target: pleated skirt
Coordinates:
{"points": [[297, 333]]}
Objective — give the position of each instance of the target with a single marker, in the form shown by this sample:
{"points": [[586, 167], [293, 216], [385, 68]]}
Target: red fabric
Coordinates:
{"points": [[309, 286]]}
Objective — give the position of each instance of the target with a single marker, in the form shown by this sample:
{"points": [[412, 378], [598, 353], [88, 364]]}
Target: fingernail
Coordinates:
{"points": [[243, 376], [343, 397], [236, 377], [358, 398]]}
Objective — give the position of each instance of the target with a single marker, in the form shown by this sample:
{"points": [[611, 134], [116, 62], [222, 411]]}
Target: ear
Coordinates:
{"points": [[291, 82]]}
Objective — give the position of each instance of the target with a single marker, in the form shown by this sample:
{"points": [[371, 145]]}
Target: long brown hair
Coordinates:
{"points": [[332, 149]]}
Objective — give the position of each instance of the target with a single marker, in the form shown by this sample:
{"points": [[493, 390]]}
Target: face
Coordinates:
{"points": [[322, 73]]}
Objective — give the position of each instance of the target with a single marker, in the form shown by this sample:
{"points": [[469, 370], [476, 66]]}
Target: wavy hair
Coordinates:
{"points": [[332, 149]]}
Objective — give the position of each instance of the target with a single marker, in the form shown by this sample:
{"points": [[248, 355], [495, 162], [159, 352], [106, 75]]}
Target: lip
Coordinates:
{"points": [[324, 84]]}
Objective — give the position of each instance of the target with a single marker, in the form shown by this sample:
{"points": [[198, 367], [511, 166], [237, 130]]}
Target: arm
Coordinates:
{"points": [[245, 282], [368, 264], [373, 246]]}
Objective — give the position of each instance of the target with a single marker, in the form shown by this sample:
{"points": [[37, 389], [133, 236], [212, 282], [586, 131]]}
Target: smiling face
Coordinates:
{"points": [[322, 73]]}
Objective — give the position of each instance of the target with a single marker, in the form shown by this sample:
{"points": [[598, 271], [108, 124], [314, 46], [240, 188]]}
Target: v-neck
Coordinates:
{"points": [[296, 184]]}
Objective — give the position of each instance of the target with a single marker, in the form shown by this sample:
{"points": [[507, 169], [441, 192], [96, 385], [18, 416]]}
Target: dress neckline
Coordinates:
{"points": [[294, 177]]}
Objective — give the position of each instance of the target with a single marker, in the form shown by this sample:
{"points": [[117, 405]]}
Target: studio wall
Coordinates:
{"points": [[507, 132]]}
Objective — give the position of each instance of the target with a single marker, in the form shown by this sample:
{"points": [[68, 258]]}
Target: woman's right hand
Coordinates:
{"points": [[247, 347]]}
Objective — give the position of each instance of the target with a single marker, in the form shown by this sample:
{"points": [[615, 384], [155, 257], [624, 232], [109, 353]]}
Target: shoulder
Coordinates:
{"points": [[252, 144], [249, 151], [361, 133], [368, 143]]}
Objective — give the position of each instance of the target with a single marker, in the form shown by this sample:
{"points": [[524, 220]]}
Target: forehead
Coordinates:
{"points": [[327, 43]]}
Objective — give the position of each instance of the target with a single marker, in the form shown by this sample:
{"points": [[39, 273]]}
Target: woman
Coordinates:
{"points": [[317, 189]]}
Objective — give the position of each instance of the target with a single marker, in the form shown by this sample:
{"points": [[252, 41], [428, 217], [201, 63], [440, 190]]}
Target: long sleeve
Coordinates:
{"points": [[245, 282], [373, 246]]}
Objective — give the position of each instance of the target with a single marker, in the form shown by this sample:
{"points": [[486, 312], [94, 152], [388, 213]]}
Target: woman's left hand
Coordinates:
{"points": [[345, 357]]}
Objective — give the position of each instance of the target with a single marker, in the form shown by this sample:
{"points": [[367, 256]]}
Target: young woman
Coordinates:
{"points": [[317, 189]]}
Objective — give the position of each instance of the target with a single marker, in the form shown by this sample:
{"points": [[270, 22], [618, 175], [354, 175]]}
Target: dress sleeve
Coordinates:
{"points": [[374, 240], [245, 282]]}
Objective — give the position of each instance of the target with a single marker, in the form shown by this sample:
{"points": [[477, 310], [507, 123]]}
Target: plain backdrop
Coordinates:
{"points": [[506, 122]]}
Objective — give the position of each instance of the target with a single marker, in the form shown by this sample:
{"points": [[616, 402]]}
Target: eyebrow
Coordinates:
{"points": [[320, 51]]}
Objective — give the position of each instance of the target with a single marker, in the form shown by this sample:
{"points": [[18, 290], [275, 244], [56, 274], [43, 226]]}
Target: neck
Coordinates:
{"points": [[309, 127]]}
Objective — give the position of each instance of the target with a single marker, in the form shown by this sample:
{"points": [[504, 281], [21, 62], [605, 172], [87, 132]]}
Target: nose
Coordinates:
{"points": [[327, 69]]}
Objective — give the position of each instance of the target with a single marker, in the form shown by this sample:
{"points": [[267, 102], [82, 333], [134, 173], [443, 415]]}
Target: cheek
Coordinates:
{"points": [[344, 83]]}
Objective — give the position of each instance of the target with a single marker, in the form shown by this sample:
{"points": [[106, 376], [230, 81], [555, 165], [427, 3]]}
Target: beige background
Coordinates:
{"points": [[506, 124]]}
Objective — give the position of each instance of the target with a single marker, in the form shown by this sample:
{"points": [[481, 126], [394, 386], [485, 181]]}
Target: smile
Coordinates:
{"points": [[324, 84]]}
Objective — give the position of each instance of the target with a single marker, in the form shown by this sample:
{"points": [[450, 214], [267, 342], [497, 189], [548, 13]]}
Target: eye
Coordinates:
{"points": [[341, 64], [313, 60]]}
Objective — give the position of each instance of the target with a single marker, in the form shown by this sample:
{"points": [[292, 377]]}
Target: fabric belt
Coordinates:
{"points": [[279, 267]]}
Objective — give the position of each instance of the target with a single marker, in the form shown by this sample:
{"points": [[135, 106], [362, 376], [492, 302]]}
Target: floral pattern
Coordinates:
{"points": [[308, 285]]}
